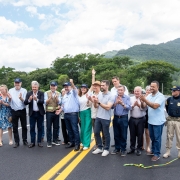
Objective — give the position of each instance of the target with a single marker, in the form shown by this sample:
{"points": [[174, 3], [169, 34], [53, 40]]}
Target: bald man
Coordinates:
{"points": [[136, 122]]}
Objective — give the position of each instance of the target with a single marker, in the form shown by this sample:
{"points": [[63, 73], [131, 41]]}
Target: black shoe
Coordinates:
{"points": [[115, 151], [70, 145], [77, 147], [16, 145], [138, 152], [25, 143], [40, 144], [31, 145], [57, 143], [130, 152]]}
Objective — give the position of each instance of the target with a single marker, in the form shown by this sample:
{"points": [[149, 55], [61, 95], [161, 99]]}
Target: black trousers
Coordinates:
{"points": [[64, 131], [136, 127], [16, 115]]}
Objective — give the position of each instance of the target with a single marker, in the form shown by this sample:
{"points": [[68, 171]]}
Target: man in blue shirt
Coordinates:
{"points": [[70, 106], [156, 118], [120, 122]]}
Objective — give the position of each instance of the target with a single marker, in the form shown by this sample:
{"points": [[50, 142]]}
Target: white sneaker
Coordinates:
{"points": [[97, 151], [105, 153], [85, 148]]}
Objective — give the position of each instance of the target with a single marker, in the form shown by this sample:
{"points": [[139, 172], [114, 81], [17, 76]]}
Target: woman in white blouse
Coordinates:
{"points": [[85, 117]]}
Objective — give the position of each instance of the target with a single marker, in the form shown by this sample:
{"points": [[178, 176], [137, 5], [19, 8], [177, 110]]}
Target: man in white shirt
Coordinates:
{"points": [[136, 122], [17, 97], [116, 83], [35, 100]]}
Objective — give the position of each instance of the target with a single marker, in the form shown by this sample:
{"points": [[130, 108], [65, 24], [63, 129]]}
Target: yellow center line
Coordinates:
{"points": [[74, 163], [58, 166], [48, 175]]}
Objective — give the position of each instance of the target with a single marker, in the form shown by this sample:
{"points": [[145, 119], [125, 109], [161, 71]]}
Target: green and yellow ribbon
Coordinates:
{"points": [[147, 167]]}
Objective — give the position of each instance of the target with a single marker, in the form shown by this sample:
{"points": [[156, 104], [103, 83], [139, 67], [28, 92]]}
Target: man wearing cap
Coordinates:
{"points": [[17, 97], [70, 106], [173, 120], [35, 100], [156, 118], [52, 99]]}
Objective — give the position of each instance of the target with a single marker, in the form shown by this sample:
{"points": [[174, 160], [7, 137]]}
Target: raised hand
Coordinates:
{"points": [[93, 72]]}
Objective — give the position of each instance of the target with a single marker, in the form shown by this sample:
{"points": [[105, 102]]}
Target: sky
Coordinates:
{"points": [[33, 33]]}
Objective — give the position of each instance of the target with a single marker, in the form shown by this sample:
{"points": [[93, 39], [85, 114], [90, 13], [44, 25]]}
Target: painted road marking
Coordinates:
{"points": [[58, 166], [74, 163], [54, 170]]}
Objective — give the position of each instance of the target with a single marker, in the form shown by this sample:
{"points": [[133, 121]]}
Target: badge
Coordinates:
{"points": [[178, 104]]}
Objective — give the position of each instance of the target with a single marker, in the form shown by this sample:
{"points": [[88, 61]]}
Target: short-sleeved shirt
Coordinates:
{"points": [[156, 116], [104, 99]]}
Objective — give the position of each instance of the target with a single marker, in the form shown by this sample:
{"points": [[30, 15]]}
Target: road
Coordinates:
{"points": [[60, 163]]}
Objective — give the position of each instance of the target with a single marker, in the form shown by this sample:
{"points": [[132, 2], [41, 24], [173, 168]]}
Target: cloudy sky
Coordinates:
{"points": [[34, 32]]}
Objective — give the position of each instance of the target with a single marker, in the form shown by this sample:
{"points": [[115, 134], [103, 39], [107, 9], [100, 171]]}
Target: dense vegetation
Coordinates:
{"points": [[168, 52], [80, 66]]}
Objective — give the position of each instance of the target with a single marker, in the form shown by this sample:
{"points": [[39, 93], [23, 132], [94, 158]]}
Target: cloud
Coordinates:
{"points": [[25, 54], [9, 27], [87, 26], [33, 12]]}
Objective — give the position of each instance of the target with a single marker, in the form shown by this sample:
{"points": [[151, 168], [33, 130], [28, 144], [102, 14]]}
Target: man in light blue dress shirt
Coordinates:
{"points": [[70, 106]]}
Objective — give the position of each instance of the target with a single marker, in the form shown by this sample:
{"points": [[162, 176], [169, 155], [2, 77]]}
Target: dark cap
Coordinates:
{"points": [[53, 83], [17, 80], [84, 85], [67, 84], [175, 88]]}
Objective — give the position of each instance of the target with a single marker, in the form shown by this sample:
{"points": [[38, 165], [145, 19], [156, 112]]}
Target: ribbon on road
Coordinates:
{"points": [[147, 167]]}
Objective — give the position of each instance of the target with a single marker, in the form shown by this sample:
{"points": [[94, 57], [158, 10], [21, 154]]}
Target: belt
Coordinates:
{"points": [[137, 118], [120, 116], [72, 113]]}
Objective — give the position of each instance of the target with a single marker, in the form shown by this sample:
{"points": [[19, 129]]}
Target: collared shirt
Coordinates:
{"points": [[137, 112], [156, 116], [70, 102], [105, 99], [114, 91], [53, 94], [35, 106], [16, 103], [119, 110]]}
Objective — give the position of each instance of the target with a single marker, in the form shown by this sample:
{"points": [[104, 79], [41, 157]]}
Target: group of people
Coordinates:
{"points": [[84, 109]]}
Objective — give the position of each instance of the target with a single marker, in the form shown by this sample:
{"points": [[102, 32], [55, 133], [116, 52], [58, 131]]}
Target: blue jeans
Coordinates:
{"points": [[102, 124], [52, 119], [71, 121], [36, 117], [120, 127], [155, 132]]}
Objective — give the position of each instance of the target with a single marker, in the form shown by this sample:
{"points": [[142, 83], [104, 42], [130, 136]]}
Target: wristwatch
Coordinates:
{"points": [[99, 103]]}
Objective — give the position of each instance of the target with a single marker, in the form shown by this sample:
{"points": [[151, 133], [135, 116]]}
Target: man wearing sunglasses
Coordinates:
{"points": [[173, 120]]}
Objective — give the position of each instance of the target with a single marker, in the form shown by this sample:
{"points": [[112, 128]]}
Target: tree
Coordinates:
{"points": [[151, 70]]}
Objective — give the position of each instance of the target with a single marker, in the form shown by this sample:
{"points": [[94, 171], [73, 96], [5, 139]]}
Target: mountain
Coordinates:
{"points": [[169, 52], [110, 54]]}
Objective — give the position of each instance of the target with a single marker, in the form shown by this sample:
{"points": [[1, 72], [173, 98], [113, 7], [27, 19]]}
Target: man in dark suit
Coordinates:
{"points": [[35, 100]]}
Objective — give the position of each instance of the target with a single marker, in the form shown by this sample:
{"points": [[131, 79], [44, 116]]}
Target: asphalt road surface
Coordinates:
{"points": [[57, 162]]}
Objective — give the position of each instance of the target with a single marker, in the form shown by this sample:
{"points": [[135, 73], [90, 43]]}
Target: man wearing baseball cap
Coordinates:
{"points": [[17, 98], [52, 99], [173, 120], [70, 106]]}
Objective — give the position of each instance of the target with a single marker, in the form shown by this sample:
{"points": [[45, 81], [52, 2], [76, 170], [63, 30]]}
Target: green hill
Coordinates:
{"points": [[169, 52]]}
